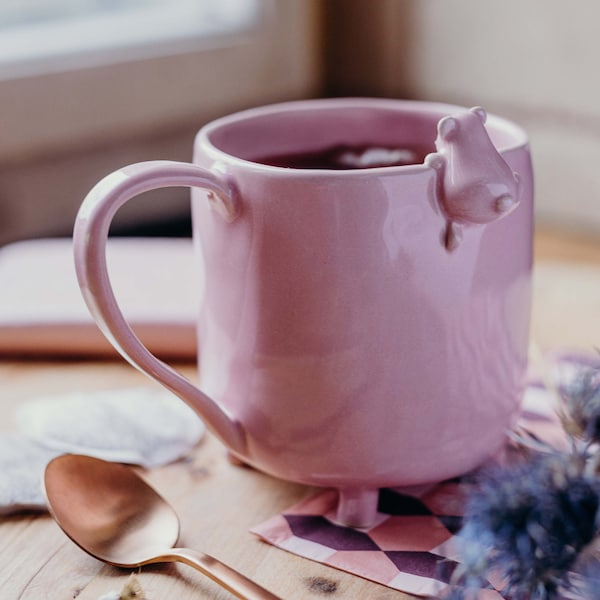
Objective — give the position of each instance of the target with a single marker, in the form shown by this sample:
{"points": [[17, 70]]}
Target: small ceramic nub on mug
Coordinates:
{"points": [[365, 268]]}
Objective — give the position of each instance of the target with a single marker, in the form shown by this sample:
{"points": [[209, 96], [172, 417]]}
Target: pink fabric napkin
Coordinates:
{"points": [[412, 546]]}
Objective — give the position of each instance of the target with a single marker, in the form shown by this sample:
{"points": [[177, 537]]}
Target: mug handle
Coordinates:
{"points": [[89, 245]]}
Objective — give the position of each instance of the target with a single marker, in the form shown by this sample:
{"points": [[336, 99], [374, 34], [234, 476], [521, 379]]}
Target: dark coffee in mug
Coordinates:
{"points": [[345, 156]]}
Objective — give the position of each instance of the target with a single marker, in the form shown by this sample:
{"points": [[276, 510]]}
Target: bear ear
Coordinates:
{"points": [[480, 112], [447, 127]]}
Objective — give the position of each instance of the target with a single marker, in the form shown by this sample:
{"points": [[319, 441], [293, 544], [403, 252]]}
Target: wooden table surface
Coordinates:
{"points": [[218, 502]]}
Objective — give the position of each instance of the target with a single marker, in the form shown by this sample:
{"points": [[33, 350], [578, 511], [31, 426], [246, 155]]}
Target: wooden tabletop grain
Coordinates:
{"points": [[217, 501]]}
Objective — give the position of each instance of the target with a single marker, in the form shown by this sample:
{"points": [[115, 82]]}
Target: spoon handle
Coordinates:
{"points": [[236, 583]]}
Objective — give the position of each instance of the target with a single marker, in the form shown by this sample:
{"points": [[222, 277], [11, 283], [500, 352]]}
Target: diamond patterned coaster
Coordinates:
{"points": [[412, 546]]}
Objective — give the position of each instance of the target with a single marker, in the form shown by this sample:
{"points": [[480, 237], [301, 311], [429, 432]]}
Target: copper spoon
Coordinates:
{"points": [[114, 515]]}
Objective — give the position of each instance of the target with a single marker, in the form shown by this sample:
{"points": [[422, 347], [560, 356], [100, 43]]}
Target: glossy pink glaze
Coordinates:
{"points": [[340, 342]]}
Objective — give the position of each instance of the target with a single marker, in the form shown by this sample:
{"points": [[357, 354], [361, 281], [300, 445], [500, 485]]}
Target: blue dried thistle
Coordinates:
{"points": [[587, 585], [581, 399], [530, 523]]}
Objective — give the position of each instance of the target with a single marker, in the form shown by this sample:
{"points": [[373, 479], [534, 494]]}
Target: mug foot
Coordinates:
{"points": [[357, 507]]}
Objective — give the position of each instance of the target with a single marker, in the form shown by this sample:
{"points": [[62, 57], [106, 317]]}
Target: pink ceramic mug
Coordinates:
{"points": [[359, 327]]}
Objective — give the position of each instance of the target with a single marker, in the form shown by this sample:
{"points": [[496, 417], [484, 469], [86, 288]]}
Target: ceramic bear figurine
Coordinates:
{"points": [[475, 184]]}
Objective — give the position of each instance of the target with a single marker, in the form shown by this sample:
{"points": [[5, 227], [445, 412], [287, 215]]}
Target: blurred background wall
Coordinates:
{"points": [[534, 62]]}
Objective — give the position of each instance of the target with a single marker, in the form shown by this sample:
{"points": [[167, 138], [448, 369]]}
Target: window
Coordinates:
{"points": [[42, 35], [242, 52], [94, 84]]}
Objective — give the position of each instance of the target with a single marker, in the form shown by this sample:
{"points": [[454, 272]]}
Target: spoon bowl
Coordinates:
{"points": [[111, 513]]}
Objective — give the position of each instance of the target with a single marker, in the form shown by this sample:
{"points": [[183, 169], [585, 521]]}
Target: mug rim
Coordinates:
{"points": [[424, 107]]}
